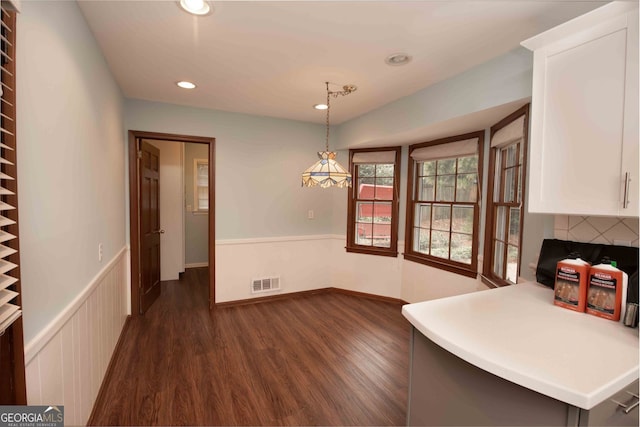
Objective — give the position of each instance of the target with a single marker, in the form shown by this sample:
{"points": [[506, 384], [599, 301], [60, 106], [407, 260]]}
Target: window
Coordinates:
{"points": [[443, 203], [201, 185], [373, 201], [505, 210]]}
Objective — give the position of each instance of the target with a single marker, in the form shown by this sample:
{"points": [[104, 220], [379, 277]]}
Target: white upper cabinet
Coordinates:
{"points": [[584, 115]]}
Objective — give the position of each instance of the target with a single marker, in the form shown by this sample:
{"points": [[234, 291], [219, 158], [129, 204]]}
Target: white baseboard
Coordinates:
{"points": [[196, 265]]}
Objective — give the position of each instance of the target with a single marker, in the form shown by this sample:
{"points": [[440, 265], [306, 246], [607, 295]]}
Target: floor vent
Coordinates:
{"points": [[265, 284]]}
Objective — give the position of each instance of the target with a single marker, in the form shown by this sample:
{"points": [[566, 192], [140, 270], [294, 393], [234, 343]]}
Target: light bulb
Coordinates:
{"points": [[186, 85], [196, 7], [194, 4]]}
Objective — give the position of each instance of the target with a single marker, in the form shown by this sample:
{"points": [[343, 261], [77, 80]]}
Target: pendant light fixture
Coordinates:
{"points": [[326, 172]]}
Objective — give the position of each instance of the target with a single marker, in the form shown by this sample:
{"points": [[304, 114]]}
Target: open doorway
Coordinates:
{"points": [[187, 164]]}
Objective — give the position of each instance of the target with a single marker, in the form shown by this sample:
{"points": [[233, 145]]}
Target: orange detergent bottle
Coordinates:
{"points": [[570, 290], [606, 284]]}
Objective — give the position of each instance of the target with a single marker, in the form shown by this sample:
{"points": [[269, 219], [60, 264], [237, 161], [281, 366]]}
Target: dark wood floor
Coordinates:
{"points": [[323, 359]]}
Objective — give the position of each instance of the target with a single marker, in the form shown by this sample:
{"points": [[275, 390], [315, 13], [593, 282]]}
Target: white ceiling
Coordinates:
{"points": [[272, 58]]}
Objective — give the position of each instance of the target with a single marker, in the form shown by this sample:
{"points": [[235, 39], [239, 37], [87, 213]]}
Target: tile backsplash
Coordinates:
{"points": [[597, 229]]}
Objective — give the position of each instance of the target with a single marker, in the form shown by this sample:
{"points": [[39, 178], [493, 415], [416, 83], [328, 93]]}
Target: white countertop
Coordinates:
{"points": [[517, 333]]}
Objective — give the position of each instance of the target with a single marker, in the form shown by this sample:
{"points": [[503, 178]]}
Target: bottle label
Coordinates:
{"points": [[602, 293], [567, 289]]}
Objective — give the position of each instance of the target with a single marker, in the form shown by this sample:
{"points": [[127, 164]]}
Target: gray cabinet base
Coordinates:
{"points": [[446, 390], [609, 413]]}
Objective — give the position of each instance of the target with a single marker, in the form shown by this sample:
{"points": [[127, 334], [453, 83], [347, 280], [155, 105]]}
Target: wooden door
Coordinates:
{"points": [[149, 225]]}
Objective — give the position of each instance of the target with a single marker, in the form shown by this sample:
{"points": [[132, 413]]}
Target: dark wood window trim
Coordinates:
{"points": [[488, 276], [351, 246], [412, 255]]}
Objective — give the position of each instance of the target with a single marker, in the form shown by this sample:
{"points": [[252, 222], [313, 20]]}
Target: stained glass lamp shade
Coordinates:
{"points": [[326, 172]]}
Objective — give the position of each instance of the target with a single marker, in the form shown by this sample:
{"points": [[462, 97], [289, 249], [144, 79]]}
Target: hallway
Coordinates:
{"points": [[321, 359]]}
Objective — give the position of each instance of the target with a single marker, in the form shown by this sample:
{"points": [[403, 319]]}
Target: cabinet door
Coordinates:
{"points": [[445, 390], [611, 412], [631, 155], [578, 110]]}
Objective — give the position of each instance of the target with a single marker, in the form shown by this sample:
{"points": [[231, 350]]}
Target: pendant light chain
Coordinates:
{"points": [[327, 172], [346, 90], [328, 108]]}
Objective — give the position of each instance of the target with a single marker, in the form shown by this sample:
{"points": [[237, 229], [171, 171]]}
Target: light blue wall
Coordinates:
{"points": [[259, 159], [196, 224], [259, 162], [70, 159], [502, 80]]}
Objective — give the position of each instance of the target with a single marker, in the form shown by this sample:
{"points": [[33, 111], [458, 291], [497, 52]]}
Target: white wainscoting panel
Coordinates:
{"points": [[422, 283], [67, 361], [301, 262], [371, 274], [395, 277], [319, 261]]}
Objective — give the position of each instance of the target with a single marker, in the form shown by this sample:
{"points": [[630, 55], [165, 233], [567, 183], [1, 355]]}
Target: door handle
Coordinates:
{"points": [[159, 231], [625, 200], [626, 408]]}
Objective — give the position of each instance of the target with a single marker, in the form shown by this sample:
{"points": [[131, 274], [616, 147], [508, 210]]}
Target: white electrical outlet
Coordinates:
{"points": [[310, 214], [100, 252]]}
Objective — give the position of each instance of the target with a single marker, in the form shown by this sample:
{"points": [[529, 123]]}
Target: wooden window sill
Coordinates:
{"points": [[464, 271], [372, 251]]}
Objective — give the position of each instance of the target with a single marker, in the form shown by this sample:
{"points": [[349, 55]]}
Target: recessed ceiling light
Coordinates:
{"points": [[186, 85], [196, 7], [320, 106], [399, 58]]}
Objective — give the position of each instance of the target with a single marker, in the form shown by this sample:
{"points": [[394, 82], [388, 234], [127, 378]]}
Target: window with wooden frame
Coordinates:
{"points": [[505, 206], [443, 203], [201, 185], [372, 225]]}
